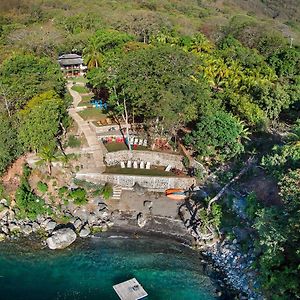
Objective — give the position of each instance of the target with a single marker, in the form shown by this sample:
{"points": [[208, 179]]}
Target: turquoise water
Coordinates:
{"points": [[90, 269]]}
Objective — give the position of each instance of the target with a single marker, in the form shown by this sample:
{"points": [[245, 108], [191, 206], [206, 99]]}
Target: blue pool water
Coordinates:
{"points": [[88, 270]]}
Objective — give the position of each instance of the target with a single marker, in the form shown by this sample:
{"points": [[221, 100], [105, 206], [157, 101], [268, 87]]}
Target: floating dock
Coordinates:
{"points": [[130, 290]]}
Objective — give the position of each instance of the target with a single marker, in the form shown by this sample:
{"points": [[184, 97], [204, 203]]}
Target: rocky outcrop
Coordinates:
{"points": [[61, 238], [141, 220]]}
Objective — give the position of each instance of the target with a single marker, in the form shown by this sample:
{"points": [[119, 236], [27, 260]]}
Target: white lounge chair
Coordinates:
{"points": [[140, 142], [142, 165], [135, 165], [145, 142], [168, 168], [136, 141], [129, 164], [122, 164], [148, 165]]}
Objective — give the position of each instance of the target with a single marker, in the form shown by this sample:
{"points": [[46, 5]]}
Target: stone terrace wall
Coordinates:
{"points": [[155, 158], [154, 183]]}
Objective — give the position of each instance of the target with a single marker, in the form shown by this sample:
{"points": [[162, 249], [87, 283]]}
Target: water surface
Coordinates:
{"points": [[88, 270]]}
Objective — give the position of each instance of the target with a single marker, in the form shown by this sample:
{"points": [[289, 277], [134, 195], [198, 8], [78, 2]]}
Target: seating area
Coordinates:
{"points": [[135, 165], [138, 142]]}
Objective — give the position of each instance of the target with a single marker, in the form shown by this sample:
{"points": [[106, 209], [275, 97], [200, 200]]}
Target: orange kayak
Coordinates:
{"points": [[175, 194]]}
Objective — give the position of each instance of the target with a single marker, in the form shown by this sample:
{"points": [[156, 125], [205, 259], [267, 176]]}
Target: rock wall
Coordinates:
{"points": [[155, 183], [155, 158]]}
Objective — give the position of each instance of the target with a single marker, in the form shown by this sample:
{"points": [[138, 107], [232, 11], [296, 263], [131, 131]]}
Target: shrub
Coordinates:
{"points": [[42, 187], [252, 205], [73, 142], [62, 191], [107, 191], [79, 196]]}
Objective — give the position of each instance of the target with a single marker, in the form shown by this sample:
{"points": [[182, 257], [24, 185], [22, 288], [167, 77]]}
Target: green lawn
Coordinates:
{"points": [[79, 79], [154, 171], [80, 89], [113, 147], [92, 114], [86, 101]]}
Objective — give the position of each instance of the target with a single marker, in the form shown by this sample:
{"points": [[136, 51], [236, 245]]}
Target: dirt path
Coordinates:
{"points": [[96, 147]]}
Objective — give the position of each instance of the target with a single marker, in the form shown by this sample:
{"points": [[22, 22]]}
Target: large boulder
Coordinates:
{"points": [[141, 220], [61, 238], [50, 226], [85, 231]]}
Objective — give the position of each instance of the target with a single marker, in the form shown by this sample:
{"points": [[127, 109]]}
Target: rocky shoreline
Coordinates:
{"points": [[226, 257]]}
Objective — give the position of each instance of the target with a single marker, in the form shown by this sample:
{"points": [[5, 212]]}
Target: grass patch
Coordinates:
{"points": [[91, 114], [80, 79], [85, 101], [155, 171], [113, 147], [80, 89]]}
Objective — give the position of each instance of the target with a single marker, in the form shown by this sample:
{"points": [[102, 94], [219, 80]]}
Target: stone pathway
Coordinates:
{"points": [[96, 147]]}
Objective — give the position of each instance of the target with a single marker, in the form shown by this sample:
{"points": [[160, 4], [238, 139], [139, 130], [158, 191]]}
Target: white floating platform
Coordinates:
{"points": [[130, 290]]}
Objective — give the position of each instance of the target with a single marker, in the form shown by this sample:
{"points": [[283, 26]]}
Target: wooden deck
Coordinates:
{"points": [[130, 290]]}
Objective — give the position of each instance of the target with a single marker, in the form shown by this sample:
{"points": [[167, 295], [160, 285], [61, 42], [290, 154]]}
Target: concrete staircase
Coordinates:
{"points": [[117, 191]]}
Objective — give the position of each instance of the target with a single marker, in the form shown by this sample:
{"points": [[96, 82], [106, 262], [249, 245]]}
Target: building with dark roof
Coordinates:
{"points": [[72, 65]]}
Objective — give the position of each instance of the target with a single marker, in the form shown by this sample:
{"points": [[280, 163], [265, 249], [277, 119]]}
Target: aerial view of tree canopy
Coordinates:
{"points": [[219, 81], [24, 76]]}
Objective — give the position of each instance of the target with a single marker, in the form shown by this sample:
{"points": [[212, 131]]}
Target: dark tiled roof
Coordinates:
{"points": [[70, 55], [70, 59]]}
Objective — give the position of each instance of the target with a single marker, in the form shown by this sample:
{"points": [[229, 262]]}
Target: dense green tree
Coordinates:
{"points": [[24, 76], [286, 62], [40, 121], [103, 42], [218, 135], [9, 145]]}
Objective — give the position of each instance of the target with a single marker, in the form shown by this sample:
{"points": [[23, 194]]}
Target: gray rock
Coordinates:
{"points": [[61, 238], [102, 205], [5, 230], [13, 227], [35, 226], [141, 220], [115, 214], [103, 214], [148, 204], [27, 229], [92, 219], [4, 202], [2, 236], [4, 213], [50, 226], [110, 223], [77, 224], [85, 231]]}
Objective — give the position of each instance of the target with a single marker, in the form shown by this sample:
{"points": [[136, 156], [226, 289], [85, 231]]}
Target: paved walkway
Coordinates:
{"points": [[96, 147]]}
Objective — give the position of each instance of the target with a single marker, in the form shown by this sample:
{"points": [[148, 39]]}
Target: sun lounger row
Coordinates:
{"points": [[135, 165], [136, 141]]}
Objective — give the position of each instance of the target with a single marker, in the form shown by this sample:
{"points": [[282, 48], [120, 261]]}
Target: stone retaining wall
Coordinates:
{"points": [[155, 183], [155, 158]]}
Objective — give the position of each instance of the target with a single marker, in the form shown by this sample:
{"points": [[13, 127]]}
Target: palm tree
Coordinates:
{"points": [[92, 54], [47, 156]]}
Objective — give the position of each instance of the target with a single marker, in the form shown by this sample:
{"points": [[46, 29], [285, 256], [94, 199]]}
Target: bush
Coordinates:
{"points": [[62, 191], [79, 196], [42, 187], [73, 142], [29, 204], [252, 206], [107, 191]]}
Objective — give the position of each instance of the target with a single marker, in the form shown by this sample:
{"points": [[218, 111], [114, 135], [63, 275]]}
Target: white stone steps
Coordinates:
{"points": [[117, 191]]}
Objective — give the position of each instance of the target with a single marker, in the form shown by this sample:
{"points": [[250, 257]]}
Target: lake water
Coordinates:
{"points": [[88, 270]]}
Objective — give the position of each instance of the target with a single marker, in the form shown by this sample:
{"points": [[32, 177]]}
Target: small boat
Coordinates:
{"points": [[176, 194]]}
